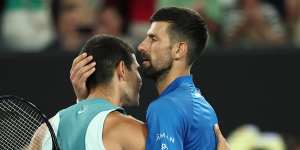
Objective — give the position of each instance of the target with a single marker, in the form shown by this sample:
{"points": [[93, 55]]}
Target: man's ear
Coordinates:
{"points": [[180, 50], [121, 70]]}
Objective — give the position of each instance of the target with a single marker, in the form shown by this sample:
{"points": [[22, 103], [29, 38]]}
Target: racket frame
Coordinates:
{"points": [[43, 116]]}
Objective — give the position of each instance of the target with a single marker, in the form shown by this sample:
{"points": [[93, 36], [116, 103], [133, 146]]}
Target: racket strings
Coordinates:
{"points": [[13, 142], [16, 133], [17, 127], [28, 126], [25, 111], [18, 124], [14, 121], [31, 126]]}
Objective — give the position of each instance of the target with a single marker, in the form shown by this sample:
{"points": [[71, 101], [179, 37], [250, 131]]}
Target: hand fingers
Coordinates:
{"points": [[222, 143], [82, 63], [76, 67], [76, 60], [79, 58], [79, 78], [86, 71], [86, 75], [218, 132]]}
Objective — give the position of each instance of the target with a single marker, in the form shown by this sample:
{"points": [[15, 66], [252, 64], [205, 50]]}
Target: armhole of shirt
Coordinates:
{"points": [[47, 141], [93, 137]]}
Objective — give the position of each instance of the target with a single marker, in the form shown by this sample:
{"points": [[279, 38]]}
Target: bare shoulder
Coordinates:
{"points": [[128, 131], [119, 122], [125, 119]]}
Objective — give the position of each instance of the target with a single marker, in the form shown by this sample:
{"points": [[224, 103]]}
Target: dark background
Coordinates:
{"points": [[257, 88]]}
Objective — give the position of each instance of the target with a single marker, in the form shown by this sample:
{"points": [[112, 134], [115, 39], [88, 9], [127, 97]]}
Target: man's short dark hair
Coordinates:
{"points": [[107, 52], [187, 25]]}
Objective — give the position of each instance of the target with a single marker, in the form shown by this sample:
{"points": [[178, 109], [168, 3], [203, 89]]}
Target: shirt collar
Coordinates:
{"points": [[102, 102], [176, 83]]}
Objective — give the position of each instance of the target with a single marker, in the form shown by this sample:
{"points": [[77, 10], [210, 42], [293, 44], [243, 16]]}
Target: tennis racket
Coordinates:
{"points": [[20, 122]]}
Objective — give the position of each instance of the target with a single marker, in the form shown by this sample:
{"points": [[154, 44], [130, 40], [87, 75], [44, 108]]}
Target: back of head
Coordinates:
{"points": [[185, 25], [107, 52]]}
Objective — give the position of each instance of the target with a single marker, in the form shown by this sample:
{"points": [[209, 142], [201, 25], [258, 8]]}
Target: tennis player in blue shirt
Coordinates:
{"points": [[180, 118]]}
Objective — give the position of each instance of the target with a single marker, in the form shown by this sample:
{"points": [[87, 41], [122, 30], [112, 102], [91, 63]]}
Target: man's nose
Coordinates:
{"points": [[141, 47]]}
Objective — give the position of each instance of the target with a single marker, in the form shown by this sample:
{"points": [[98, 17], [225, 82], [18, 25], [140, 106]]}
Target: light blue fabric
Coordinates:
{"points": [[75, 120]]}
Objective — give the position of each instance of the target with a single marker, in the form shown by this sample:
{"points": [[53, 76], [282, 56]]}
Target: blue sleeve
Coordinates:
{"points": [[164, 128]]}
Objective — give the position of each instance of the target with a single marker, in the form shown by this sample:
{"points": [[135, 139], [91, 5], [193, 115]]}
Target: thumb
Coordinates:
{"points": [[218, 132]]}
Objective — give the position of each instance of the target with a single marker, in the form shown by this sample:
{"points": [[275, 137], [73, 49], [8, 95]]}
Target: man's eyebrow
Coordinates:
{"points": [[151, 35]]}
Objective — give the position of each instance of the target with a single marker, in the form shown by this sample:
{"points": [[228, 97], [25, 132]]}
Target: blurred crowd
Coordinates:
{"points": [[63, 25], [250, 137]]}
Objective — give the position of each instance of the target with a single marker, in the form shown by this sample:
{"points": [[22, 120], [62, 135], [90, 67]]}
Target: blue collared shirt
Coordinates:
{"points": [[181, 119]]}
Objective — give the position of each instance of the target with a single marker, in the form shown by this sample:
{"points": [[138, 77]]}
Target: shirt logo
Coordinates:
{"points": [[82, 110], [164, 147], [164, 136]]}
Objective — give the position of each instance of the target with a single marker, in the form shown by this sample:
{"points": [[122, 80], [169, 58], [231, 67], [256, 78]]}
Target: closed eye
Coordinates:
{"points": [[152, 37]]}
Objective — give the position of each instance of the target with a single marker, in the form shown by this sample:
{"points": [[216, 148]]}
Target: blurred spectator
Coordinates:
{"points": [[248, 137], [293, 20], [26, 24], [211, 10], [177, 3], [109, 21], [253, 24], [74, 22], [279, 6], [140, 12], [113, 18]]}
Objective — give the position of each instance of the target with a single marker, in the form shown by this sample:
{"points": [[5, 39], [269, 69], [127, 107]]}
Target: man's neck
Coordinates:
{"points": [[106, 94], [165, 80]]}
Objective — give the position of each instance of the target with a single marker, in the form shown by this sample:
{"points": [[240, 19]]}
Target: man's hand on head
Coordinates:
{"points": [[82, 68]]}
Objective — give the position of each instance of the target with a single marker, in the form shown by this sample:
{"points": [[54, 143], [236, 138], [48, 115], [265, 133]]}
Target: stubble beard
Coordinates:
{"points": [[156, 74]]}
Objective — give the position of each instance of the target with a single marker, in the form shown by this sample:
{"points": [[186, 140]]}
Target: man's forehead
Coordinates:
{"points": [[157, 27]]}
